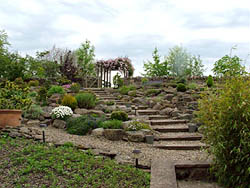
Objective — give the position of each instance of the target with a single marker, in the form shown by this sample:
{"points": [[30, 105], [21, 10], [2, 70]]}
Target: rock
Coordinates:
{"points": [[137, 100], [47, 122], [158, 106], [187, 99], [41, 118], [60, 124], [175, 112], [124, 159], [166, 111], [146, 132], [38, 137], [175, 100], [55, 98], [15, 134], [81, 111], [46, 115], [134, 136], [151, 103], [25, 130], [54, 105], [185, 116], [98, 112], [125, 124], [32, 123], [97, 132], [76, 115], [169, 97], [24, 120], [113, 134]]}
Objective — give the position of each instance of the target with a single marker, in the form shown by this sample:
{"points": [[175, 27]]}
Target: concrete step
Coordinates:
{"points": [[171, 128], [179, 147], [183, 136], [157, 117], [147, 112], [167, 122]]}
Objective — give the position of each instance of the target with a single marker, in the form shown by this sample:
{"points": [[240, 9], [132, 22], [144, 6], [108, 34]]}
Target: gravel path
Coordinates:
{"points": [[122, 148]]}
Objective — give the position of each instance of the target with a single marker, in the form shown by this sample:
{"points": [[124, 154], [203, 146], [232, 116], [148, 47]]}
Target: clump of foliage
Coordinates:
{"points": [[70, 101], [181, 80], [112, 124], [55, 90], [33, 83], [63, 81], [151, 92], [225, 116], [28, 159], [137, 125], [192, 86], [19, 81], [86, 100], [42, 94], [125, 89], [61, 112], [83, 124], [13, 96], [210, 81], [75, 87], [144, 80], [118, 81], [181, 87], [119, 115], [110, 103], [132, 93], [33, 94], [34, 112]]}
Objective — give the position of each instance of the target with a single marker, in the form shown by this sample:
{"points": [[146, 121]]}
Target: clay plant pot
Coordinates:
{"points": [[11, 118]]}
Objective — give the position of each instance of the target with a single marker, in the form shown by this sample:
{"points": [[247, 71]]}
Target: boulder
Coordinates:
{"points": [[98, 112], [81, 111], [158, 106], [175, 112], [113, 134], [125, 124], [166, 111], [97, 132], [55, 98], [32, 123], [134, 136], [169, 97], [60, 124], [76, 115]]}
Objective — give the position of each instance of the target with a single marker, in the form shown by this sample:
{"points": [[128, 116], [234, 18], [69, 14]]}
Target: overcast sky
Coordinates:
{"points": [[132, 28]]}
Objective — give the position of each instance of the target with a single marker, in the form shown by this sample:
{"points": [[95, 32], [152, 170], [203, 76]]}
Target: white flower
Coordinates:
{"points": [[61, 112]]}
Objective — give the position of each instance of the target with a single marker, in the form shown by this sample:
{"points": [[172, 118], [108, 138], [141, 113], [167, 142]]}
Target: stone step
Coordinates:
{"points": [[167, 122], [94, 89], [147, 112], [179, 147], [122, 103], [139, 107], [107, 98], [157, 117], [171, 128], [183, 136]]}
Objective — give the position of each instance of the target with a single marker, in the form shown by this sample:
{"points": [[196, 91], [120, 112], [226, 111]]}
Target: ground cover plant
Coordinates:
{"points": [[25, 163]]}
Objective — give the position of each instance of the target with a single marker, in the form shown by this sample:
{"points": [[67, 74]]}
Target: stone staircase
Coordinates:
{"points": [[172, 134]]}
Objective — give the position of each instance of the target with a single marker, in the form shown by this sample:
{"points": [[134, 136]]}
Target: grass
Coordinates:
{"points": [[25, 163]]}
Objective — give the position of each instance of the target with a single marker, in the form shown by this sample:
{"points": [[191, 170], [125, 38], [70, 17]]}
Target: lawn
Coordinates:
{"points": [[25, 163]]}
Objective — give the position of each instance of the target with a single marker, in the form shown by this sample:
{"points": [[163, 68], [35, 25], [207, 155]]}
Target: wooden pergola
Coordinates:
{"points": [[104, 68]]}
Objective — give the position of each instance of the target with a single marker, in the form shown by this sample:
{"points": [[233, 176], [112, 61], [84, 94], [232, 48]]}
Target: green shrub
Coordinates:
{"points": [[42, 94], [192, 86], [64, 81], [19, 81], [55, 89], [119, 115], [144, 81], [75, 87], [181, 81], [225, 115], [137, 125], [110, 103], [151, 92], [33, 94], [132, 93], [118, 81], [125, 89], [83, 124], [33, 112], [33, 83], [181, 87], [86, 100], [70, 101], [112, 124], [210, 81]]}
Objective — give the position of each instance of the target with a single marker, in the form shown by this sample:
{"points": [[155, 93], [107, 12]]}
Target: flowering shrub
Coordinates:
{"points": [[137, 125], [61, 112]]}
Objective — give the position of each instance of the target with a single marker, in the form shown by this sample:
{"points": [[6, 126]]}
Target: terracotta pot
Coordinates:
{"points": [[10, 118]]}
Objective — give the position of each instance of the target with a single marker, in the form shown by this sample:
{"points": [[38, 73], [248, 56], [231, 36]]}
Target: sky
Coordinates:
{"points": [[131, 28]]}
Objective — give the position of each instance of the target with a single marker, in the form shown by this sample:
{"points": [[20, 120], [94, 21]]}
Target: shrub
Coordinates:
{"points": [[33, 94], [110, 103], [33, 83], [70, 101], [75, 87], [112, 124], [56, 89], [144, 81], [181, 87], [118, 81], [125, 89], [42, 94], [192, 86], [210, 81], [19, 81], [34, 112], [61, 112], [151, 92], [132, 93], [86, 100], [63, 81], [181, 81], [83, 124], [119, 115], [225, 116], [137, 125]]}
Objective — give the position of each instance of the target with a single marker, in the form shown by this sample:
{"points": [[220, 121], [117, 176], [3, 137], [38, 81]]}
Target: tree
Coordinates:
{"points": [[194, 67], [85, 60], [156, 68], [230, 66]]}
